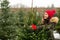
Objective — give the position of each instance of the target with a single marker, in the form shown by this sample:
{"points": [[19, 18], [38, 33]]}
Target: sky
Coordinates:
{"points": [[36, 3]]}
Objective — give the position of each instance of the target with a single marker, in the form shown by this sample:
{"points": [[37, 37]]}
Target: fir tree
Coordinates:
{"points": [[8, 22]]}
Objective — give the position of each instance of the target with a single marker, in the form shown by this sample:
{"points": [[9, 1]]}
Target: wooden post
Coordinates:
{"points": [[32, 5]]}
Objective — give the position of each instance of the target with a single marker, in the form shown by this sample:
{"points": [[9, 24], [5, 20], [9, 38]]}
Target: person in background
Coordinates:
{"points": [[47, 16], [50, 20]]}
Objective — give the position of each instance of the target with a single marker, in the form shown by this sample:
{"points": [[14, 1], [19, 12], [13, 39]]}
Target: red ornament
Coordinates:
{"points": [[34, 27]]}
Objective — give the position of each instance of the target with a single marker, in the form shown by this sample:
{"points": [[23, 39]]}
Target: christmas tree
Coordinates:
{"points": [[8, 22]]}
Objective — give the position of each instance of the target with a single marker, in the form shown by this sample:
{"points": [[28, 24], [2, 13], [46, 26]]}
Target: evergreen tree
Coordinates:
{"points": [[17, 26], [8, 22], [58, 25], [58, 15]]}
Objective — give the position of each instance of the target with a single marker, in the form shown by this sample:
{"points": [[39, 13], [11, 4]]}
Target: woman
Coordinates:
{"points": [[47, 16], [50, 20]]}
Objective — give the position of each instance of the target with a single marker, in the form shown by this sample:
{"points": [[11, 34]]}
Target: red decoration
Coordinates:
{"points": [[34, 27]]}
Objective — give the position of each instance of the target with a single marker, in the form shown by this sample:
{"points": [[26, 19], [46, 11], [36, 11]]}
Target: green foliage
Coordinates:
{"points": [[16, 26], [58, 14], [8, 22], [26, 33], [29, 34], [58, 25]]}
